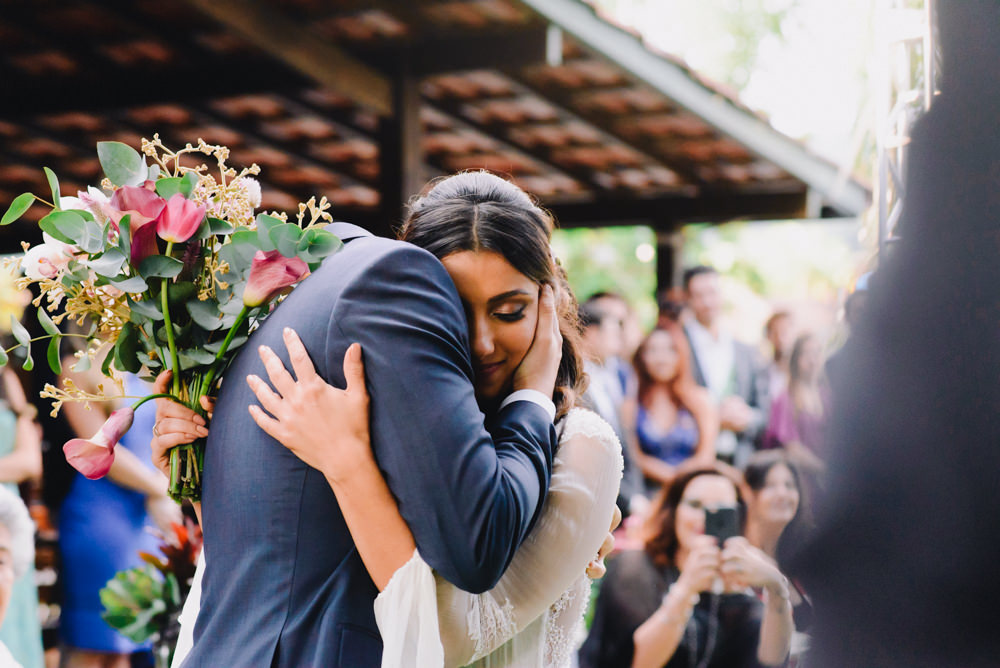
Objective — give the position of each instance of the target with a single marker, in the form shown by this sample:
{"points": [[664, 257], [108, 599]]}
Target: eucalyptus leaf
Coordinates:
{"points": [[46, 322], [125, 235], [169, 186], [50, 176], [94, 238], [54, 355], [17, 208], [3, 357], [121, 163], [66, 226], [317, 244], [148, 362], [214, 227], [160, 266], [108, 264], [147, 308], [133, 284], [29, 362], [188, 183], [20, 333], [265, 224], [216, 346], [206, 314], [154, 172], [193, 357], [286, 238], [126, 349]]}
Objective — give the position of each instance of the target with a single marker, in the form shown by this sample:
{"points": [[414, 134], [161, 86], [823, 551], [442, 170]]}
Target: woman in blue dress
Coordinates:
{"points": [[102, 528], [20, 459], [674, 419]]}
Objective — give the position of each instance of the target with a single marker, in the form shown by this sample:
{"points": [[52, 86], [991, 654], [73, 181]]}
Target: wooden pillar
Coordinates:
{"points": [[401, 159], [669, 244]]}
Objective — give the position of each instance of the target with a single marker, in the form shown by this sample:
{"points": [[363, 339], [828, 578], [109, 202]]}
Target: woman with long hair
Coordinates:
{"points": [[685, 600], [494, 243], [799, 415], [673, 418]]}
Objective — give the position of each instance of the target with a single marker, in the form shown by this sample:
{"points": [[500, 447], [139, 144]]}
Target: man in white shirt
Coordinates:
{"points": [[728, 368], [17, 551]]}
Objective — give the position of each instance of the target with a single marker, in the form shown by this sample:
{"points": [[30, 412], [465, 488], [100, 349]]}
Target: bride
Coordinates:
{"points": [[494, 243]]}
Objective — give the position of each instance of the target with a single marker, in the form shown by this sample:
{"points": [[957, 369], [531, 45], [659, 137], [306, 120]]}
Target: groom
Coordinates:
{"points": [[284, 585]]}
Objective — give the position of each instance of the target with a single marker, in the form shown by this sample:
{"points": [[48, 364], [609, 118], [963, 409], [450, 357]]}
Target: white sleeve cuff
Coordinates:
{"points": [[535, 397]]}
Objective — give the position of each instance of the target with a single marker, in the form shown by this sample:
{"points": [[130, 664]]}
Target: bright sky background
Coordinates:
{"points": [[803, 63]]}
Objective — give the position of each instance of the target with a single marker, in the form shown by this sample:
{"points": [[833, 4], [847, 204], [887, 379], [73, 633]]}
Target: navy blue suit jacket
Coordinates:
{"points": [[284, 585]]}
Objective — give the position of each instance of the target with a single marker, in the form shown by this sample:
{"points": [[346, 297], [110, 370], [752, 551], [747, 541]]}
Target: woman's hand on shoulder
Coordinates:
{"points": [[325, 427]]}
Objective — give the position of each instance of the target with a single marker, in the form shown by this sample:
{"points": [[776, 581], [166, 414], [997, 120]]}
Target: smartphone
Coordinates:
{"points": [[723, 523]]}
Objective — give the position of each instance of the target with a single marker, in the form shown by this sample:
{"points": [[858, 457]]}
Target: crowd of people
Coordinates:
{"points": [[707, 422]]}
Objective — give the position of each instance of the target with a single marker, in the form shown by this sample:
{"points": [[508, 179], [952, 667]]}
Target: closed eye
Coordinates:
{"points": [[513, 316]]}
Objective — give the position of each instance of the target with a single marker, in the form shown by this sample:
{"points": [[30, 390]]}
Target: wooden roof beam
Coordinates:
{"points": [[295, 45], [579, 20]]}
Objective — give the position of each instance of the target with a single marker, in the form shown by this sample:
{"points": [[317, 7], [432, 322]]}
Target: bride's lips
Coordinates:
{"points": [[486, 370]]}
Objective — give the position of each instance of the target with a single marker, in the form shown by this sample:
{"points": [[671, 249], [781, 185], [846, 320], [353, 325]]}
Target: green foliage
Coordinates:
{"points": [[50, 176], [599, 260], [137, 602], [122, 164], [17, 208]]}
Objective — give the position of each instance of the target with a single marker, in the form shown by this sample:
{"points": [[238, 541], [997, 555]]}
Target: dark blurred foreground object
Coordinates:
{"points": [[903, 570]]}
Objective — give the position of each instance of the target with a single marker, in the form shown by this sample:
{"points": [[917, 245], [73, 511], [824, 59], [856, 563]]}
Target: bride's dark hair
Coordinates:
{"points": [[478, 211]]}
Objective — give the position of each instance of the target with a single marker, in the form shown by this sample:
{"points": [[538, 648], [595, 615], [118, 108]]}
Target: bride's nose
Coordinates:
{"points": [[482, 338]]}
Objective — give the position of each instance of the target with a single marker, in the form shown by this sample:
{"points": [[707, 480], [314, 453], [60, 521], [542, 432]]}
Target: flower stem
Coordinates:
{"points": [[165, 303], [213, 370], [157, 396]]}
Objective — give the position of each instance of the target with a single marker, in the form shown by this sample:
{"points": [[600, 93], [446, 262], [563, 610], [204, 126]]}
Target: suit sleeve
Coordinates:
{"points": [[469, 499]]}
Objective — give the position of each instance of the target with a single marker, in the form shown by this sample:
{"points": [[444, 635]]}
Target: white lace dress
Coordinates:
{"points": [[532, 616]]}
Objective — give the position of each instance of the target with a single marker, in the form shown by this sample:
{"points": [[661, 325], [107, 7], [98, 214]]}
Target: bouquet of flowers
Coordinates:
{"points": [[164, 266]]}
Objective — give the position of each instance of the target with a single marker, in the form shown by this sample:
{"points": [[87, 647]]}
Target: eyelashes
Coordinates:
{"points": [[513, 316]]}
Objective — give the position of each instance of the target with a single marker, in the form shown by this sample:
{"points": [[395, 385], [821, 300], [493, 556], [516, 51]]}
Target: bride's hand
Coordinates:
{"points": [[325, 427], [538, 369]]}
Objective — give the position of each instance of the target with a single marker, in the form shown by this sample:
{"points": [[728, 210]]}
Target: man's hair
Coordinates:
{"points": [[699, 270], [775, 317], [590, 315], [14, 516], [604, 294]]}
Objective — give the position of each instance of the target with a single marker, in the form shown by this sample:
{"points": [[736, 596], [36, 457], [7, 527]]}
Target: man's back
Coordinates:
{"points": [[284, 584]]}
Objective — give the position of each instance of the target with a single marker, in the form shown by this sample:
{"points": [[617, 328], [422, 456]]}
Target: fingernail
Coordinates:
{"points": [[286, 331], [251, 379]]}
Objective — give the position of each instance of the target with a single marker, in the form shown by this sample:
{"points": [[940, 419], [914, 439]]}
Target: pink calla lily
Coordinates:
{"points": [[141, 204], [271, 273], [180, 219], [143, 242], [93, 457]]}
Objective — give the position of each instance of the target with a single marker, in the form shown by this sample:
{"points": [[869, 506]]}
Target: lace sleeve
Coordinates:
{"points": [[574, 521]]}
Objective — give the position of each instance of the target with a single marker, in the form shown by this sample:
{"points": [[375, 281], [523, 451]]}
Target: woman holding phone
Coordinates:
{"points": [[685, 600]]}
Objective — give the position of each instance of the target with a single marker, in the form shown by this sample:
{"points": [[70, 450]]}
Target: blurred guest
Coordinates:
{"points": [[618, 314], [20, 460], [600, 341], [674, 419], [854, 307], [778, 517], [902, 567], [780, 333], [102, 528], [728, 368], [17, 553], [670, 306], [800, 414], [660, 607]]}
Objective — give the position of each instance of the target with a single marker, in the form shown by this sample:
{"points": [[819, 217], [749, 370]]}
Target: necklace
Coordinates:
{"points": [[711, 636]]}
